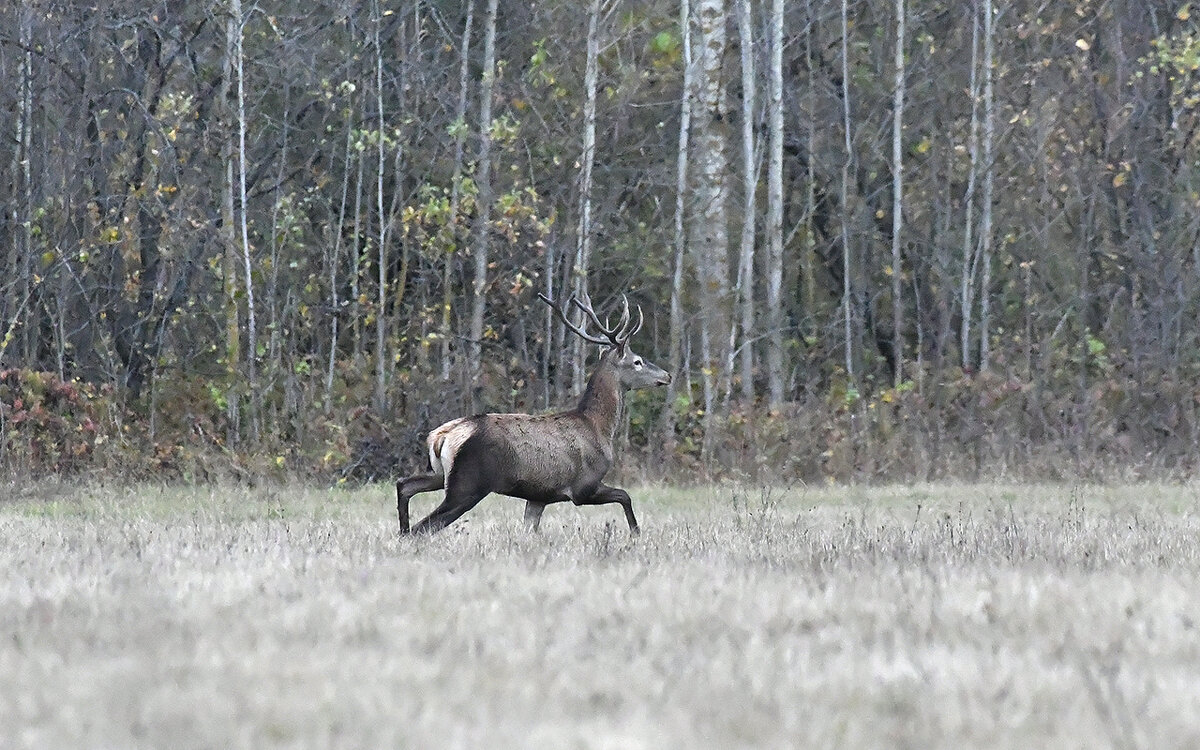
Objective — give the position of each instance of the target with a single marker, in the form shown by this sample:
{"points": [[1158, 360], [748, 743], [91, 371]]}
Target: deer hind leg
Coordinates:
{"points": [[533, 515], [414, 485], [460, 498], [605, 494]]}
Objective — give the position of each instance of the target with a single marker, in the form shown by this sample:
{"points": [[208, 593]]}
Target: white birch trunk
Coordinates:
{"points": [[897, 195], [483, 226], [775, 213], [679, 376], [985, 227], [229, 264], [744, 288], [247, 261], [381, 290], [21, 288], [583, 237], [845, 198], [710, 235], [334, 261]]}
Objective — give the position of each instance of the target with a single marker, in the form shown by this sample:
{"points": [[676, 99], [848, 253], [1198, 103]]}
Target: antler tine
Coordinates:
{"points": [[567, 321], [624, 321], [628, 331]]}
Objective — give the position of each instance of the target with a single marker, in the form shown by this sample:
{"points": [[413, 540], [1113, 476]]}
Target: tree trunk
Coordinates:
{"points": [[679, 377], [356, 250], [381, 260], [583, 238], [847, 287], [808, 253], [897, 198], [335, 260], [969, 256], [483, 225], [744, 288], [243, 225], [16, 322], [985, 222], [229, 268], [710, 237], [276, 311], [460, 130], [775, 214]]}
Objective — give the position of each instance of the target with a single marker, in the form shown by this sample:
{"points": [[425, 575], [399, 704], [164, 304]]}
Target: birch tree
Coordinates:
{"points": [[985, 223], [897, 197], [744, 286], [583, 237], [710, 234], [679, 245], [484, 200], [18, 287], [847, 287], [381, 238], [335, 255], [229, 266], [243, 226], [775, 213]]}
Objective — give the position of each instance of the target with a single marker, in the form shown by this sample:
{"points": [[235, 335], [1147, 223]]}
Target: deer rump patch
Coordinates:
{"points": [[444, 443]]}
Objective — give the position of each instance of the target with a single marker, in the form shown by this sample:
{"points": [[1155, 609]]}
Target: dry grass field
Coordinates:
{"points": [[906, 617]]}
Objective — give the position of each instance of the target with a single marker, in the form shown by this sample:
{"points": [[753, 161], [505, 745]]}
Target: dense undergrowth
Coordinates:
{"points": [[970, 427]]}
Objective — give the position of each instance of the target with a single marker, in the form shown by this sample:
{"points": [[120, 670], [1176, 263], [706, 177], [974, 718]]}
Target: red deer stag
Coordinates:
{"points": [[543, 459]]}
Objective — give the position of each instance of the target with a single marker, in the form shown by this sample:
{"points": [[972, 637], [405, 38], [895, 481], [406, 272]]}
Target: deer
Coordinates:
{"points": [[543, 458]]}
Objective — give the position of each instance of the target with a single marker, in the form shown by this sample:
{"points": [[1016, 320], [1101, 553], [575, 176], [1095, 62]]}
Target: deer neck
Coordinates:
{"points": [[602, 400]]}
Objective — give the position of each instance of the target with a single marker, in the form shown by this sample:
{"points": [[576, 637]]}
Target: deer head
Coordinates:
{"points": [[632, 370]]}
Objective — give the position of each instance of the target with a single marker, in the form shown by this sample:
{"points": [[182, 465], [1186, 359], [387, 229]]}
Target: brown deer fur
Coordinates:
{"points": [[542, 459]]}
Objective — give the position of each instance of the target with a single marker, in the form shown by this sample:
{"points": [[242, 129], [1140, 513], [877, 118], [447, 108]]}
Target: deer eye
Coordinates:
{"points": [[637, 362]]}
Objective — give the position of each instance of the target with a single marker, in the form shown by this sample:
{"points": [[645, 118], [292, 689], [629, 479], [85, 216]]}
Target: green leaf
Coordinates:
{"points": [[664, 42]]}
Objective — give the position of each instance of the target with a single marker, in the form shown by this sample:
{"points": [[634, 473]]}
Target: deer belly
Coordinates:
{"points": [[567, 475]]}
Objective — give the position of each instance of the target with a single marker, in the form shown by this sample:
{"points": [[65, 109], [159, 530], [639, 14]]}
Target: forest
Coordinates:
{"points": [[871, 239]]}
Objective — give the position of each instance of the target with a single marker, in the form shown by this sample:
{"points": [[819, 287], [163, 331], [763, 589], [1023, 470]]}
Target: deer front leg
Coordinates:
{"points": [[605, 494], [414, 485]]}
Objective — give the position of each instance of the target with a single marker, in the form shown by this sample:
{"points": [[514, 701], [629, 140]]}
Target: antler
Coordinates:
{"points": [[617, 336], [628, 331]]}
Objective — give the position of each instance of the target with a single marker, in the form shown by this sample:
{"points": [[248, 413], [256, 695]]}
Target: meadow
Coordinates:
{"points": [[927, 616]]}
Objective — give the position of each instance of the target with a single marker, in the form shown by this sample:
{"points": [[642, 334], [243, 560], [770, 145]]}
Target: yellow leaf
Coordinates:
{"points": [[1185, 12], [1083, 44], [1119, 179]]}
